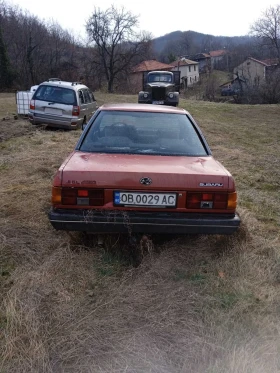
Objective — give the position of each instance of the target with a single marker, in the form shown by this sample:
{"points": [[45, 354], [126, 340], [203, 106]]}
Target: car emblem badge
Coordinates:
{"points": [[146, 181]]}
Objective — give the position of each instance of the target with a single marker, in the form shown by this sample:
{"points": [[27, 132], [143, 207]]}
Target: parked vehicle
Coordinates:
{"points": [[146, 169], [230, 92], [160, 88], [62, 104]]}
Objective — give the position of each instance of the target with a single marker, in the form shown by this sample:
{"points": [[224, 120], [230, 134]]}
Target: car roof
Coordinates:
{"points": [[143, 108], [62, 83]]}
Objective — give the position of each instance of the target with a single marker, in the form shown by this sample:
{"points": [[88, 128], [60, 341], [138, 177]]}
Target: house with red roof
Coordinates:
{"points": [[218, 58], [254, 71], [204, 60], [136, 76]]}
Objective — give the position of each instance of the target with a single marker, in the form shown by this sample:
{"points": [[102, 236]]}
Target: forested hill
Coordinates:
{"points": [[191, 42]]}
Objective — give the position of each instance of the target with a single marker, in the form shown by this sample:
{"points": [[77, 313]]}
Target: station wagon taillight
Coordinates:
{"points": [[216, 201], [77, 196], [76, 111], [32, 105]]}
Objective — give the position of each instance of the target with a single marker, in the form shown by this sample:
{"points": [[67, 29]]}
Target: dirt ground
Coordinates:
{"points": [[196, 304], [11, 128]]}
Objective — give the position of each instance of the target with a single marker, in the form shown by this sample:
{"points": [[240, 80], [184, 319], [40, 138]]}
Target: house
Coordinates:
{"points": [[235, 84], [136, 76], [271, 61], [189, 71], [204, 61], [254, 71], [272, 72], [219, 58]]}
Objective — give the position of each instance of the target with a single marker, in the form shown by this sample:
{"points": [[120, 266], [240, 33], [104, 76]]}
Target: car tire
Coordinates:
{"points": [[84, 122], [79, 126]]}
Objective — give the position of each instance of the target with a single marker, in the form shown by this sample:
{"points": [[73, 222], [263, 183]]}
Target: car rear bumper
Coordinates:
{"points": [[58, 122], [112, 221]]}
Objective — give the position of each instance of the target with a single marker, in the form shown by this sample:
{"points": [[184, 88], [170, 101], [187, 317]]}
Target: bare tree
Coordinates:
{"points": [[114, 37], [267, 29], [35, 49], [6, 74], [185, 43]]}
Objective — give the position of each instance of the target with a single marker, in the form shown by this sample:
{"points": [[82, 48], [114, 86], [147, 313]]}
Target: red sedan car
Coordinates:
{"points": [[147, 169]]}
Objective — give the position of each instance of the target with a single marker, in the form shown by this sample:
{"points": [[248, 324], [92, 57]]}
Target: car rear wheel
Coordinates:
{"points": [[82, 125]]}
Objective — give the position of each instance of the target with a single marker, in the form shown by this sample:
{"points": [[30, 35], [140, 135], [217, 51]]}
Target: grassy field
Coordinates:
{"points": [[206, 304]]}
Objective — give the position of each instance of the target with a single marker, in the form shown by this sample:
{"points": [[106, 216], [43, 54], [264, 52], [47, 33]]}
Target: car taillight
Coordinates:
{"points": [[232, 201], [56, 196], [221, 201], [32, 105], [76, 111], [78, 197], [68, 197]]}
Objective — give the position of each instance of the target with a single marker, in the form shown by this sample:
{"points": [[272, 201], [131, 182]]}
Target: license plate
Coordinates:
{"points": [[158, 102], [54, 111], [145, 199]]}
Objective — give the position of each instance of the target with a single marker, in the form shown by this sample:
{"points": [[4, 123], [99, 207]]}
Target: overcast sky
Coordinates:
{"points": [[215, 17]]}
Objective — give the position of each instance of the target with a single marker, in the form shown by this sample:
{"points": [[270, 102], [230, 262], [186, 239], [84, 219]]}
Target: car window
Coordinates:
{"points": [[81, 97], [167, 78], [55, 94], [91, 96], [143, 133], [86, 96]]}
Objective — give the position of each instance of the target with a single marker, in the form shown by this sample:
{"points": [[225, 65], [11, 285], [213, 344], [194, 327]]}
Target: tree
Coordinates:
{"points": [[117, 44], [6, 73], [267, 29], [171, 57]]}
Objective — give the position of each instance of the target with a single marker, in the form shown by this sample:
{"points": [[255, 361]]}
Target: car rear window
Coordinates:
{"points": [[143, 133], [56, 94]]}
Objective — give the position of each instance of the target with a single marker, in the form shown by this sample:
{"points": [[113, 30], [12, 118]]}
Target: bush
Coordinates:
{"points": [[265, 93]]}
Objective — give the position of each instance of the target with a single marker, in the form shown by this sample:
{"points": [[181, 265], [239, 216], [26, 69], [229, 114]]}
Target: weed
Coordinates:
{"points": [[4, 167], [179, 275], [227, 300], [198, 278]]}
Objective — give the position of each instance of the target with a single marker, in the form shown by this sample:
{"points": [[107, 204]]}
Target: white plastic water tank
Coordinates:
{"points": [[23, 100]]}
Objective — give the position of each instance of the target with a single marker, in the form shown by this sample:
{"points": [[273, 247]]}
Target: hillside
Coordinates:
{"points": [[208, 42], [191, 42]]}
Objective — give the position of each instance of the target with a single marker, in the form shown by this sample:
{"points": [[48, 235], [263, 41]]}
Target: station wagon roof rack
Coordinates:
{"points": [[54, 80], [75, 83]]}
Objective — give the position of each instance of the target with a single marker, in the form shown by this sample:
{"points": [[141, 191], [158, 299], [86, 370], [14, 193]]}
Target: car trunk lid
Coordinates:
{"points": [[126, 171]]}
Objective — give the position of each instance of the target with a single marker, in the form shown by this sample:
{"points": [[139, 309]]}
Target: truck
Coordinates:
{"points": [[160, 88]]}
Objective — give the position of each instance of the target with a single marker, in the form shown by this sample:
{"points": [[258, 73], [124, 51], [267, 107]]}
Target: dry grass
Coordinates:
{"points": [[195, 304], [213, 82]]}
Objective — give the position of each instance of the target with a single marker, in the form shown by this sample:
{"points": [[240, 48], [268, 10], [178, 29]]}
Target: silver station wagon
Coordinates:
{"points": [[62, 104]]}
